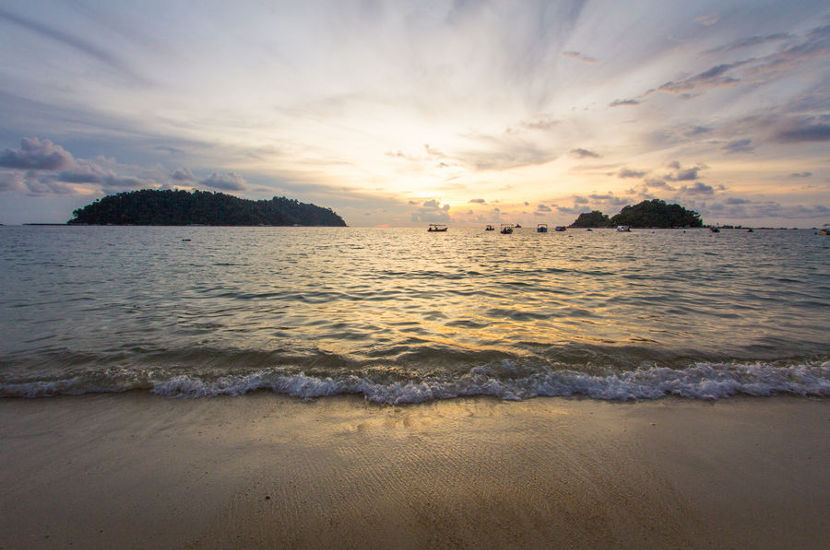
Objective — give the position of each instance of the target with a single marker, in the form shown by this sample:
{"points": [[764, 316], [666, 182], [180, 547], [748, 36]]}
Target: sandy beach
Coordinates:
{"points": [[265, 471]]}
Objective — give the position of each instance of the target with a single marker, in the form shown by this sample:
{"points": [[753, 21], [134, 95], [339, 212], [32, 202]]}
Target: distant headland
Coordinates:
{"points": [[167, 207], [653, 213]]}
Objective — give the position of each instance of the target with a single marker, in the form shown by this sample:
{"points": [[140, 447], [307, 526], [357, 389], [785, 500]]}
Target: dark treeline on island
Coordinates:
{"points": [[653, 213], [167, 207]]}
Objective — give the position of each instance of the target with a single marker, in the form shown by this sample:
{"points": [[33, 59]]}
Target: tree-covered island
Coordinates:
{"points": [[167, 207], [653, 213]]}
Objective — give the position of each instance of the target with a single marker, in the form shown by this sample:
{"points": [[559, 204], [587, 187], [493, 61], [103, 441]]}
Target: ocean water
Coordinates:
{"points": [[403, 316]]}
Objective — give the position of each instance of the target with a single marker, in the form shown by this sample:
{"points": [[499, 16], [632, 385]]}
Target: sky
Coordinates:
{"points": [[404, 113]]}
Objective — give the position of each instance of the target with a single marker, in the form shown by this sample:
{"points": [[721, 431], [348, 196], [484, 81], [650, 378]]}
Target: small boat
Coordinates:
{"points": [[825, 230], [518, 226], [542, 228], [624, 228], [561, 228], [506, 228], [714, 229], [750, 230], [436, 228], [489, 228]]}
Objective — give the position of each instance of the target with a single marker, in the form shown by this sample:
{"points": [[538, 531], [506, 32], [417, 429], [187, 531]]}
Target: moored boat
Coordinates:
{"points": [[624, 228], [506, 228], [542, 228], [436, 228]]}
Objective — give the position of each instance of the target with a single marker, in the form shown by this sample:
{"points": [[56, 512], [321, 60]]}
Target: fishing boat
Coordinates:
{"points": [[489, 228], [436, 228], [542, 228], [506, 228], [825, 230], [518, 226], [561, 228], [714, 229], [624, 228]]}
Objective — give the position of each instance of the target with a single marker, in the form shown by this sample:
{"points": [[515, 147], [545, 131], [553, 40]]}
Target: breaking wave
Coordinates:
{"points": [[504, 381]]}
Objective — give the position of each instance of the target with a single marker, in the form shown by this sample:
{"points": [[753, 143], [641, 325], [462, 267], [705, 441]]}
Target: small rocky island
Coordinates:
{"points": [[653, 213], [168, 207]]}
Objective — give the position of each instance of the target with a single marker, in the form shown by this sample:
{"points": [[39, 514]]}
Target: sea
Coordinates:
{"points": [[400, 315]]}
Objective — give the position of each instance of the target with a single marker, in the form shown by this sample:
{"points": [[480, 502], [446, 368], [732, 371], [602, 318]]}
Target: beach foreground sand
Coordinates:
{"points": [[265, 471]]}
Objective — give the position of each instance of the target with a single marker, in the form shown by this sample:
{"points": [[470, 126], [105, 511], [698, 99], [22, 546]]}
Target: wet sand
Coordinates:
{"points": [[264, 471]]}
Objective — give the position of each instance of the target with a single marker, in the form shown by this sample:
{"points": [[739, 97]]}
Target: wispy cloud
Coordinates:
{"points": [[74, 42], [621, 102], [804, 132], [629, 173], [579, 57], [584, 153], [714, 77], [749, 42], [739, 146]]}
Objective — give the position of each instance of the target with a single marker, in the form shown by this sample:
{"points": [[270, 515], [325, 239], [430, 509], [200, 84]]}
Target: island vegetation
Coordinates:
{"points": [[168, 207], [649, 213]]}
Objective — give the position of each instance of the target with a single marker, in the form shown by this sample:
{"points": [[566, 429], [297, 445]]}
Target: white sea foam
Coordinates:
{"points": [[504, 381], [701, 381]]}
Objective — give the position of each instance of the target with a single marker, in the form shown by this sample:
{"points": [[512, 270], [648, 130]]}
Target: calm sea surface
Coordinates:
{"points": [[402, 315]]}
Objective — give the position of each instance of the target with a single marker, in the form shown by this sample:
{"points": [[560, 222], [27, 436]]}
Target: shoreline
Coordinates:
{"points": [[262, 471]]}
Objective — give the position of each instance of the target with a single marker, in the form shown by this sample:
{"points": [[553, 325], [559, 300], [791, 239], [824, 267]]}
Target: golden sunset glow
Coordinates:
{"points": [[403, 113]]}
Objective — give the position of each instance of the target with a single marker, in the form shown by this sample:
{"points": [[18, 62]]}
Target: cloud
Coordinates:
{"points": [[432, 211], [572, 210], [46, 185], [620, 102], [628, 173], [542, 208], [736, 207], [815, 45], [579, 57], [699, 188], [739, 146], [580, 200], [749, 42], [694, 131], [708, 20], [801, 174], [11, 181], [183, 174], [477, 201], [584, 153], [683, 174], [74, 42], [504, 155], [610, 199], [433, 153], [658, 183], [712, 78], [35, 154], [127, 182], [226, 182], [83, 172], [804, 133], [542, 122]]}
